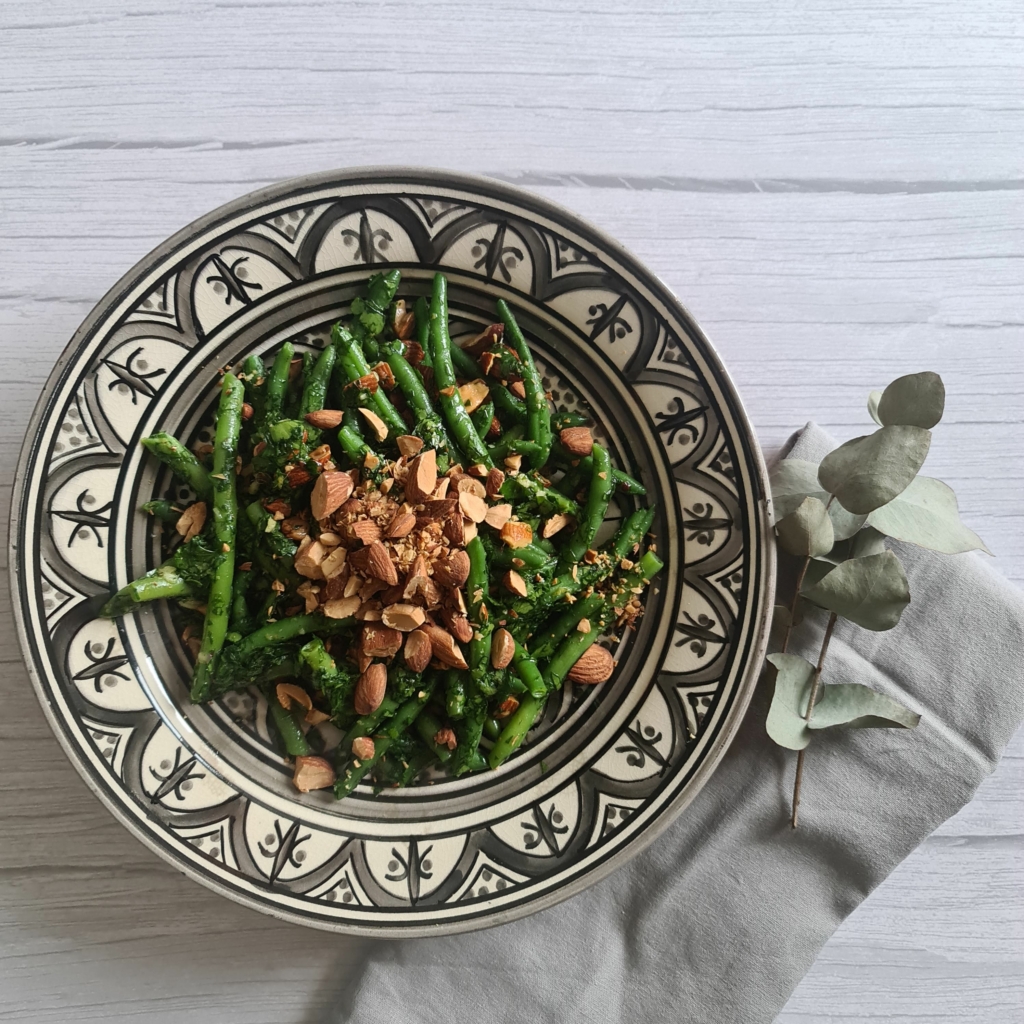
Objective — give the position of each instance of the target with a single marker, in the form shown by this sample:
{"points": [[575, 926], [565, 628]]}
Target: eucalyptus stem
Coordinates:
{"points": [[794, 602], [815, 682]]}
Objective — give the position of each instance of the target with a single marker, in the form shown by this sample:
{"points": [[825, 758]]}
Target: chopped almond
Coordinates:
{"points": [[503, 646], [330, 492], [516, 534], [325, 419], [495, 479], [342, 607], [498, 515], [289, 692], [377, 425], [363, 748], [473, 508], [515, 583], [422, 478], [474, 394], [557, 522], [409, 445], [577, 440], [308, 558], [192, 520], [380, 565], [312, 773], [404, 617], [365, 530], [380, 641], [418, 651]]}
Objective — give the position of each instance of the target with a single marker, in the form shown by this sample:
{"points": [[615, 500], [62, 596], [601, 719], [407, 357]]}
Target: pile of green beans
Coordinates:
{"points": [[534, 605]]}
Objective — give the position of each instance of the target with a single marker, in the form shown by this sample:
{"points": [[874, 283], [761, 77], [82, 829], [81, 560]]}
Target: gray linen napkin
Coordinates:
{"points": [[720, 918]]}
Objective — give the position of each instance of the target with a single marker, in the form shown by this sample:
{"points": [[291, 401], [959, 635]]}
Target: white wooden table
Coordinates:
{"points": [[836, 190]]}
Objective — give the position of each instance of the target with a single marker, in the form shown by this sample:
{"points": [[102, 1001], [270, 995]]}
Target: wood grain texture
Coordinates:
{"points": [[836, 191]]}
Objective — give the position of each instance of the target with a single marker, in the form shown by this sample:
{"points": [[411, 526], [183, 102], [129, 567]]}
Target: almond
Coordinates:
{"points": [[317, 717], [404, 617], [342, 607], [495, 479], [469, 531], [312, 773], [470, 485], [474, 394], [479, 469], [192, 520], [295, 527], [363, 748], [518, 388], [503, 646], [444, 647], [489, 336], [325, 419], [368, 382], [445, 737], [247, 411], [459, 625], [377, 425], [595, 665], [385, 376], [308, 558], [452, 571], [322, 457], [473, 508], [441, 490], [289, 692], [577, 440], [334, 562], [455, 530], [514, 582], [409, 445], [403, 320], [370, 689], [506, 708], [513, 462], [516, 534], [297, 476], [437, 510], [365, 530], [554, 524], [380, 641], [414, 353], [498, 515], [418, 651], [379, 564], [422, 478], [490, 365], [401, 526], [330, 492]]}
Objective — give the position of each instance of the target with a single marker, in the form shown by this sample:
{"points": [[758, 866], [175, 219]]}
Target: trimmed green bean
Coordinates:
{"points": [[422, 311], [526, 668], [538, 413], [508, 405], [465, 365], [455, 693], [545, 643], [182, 462], [276, 386], [165, 511], [428, 727], [353, 365], [571, 649], [162, 582], [519, 724], [288, 728], [314, 392], [482, 419], [601, 484]]}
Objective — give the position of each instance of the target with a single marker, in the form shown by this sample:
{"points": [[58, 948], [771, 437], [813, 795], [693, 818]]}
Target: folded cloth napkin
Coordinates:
{"points": [[719, 919]]}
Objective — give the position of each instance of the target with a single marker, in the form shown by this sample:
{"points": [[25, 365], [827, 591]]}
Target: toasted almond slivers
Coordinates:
{"points": [[288, 692], [377, 425], [409, 445], [315, 716], [498, 515], [192, 520]]}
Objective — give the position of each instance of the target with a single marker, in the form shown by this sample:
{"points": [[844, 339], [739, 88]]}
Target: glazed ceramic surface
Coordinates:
{"points": [[604, 771]]}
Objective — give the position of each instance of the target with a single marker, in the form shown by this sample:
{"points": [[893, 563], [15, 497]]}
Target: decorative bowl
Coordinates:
{"points": [[604, 772]]}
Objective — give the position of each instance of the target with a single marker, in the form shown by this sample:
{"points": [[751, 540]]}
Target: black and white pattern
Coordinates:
{"points": [[204, 786]]}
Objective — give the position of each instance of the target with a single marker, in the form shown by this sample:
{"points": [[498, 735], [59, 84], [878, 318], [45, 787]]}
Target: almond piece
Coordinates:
{"points": [[295, 527], [379, 564], [192, 520], [452, 571], [516, 534], [518, 389], [437, 510], [577, 440], [370, 689], [507, 706], [289, 692], [297, 476], [489, 336], [479, 469], [503, 646], [401, 526], [363, 748], [409, 445], [513, 463], [342, 607], [441, 490], [445, 737], [473, 508], [365, 530], [455, 530], [444, 647], [330, 492], [404, 617], [377, 425], [312, 773], [495, 479], [557, 522], [514, 582], [329, 539], [247, 411], [595, 665], [317, 717], [334, 562], [459, 625], [308, 558], [385, 375], [469, 531], [470, 484], [403, 321], [380, 641], [474, 394], [418, 651], [422, 478], [325, 419], [498, 515]]}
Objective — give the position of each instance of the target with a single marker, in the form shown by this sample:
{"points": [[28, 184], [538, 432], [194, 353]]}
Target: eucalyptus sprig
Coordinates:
{"points": [[836, 517]]}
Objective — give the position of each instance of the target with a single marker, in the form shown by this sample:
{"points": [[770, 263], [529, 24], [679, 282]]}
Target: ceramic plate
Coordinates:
{"points": [[605, 771]]}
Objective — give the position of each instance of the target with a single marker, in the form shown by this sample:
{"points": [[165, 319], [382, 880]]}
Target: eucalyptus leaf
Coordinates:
{"points": [[785, 723], [807, 530], [792, 480], [873, 399], [853, 706], [868, 472], [871, 591], [867, 541], [926, 514], [916, 400]]}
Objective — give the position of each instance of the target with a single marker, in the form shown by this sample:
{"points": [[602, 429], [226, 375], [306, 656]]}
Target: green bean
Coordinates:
{"points": [[539, 415], [476, 590], [601, 484], [162, 582], [182, 462], [545, 643], [530, 555], [428, 727], [482, 419], [288, 728], [526, 668], [225, 521], [514, 446], [455, 693], [165, 511], [565, 419], [631, 533], [367, 725], [353, 365], [314, 393], [463, 433], [352, 776], [508, 405], [465, 365], [287, 629], [241, 620], [276, 386], [571, 649], [519, 724], [410, 383], [523, 487], [583, 469], [492, 730], [353, 445], [468, 733], [422, 311]]}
